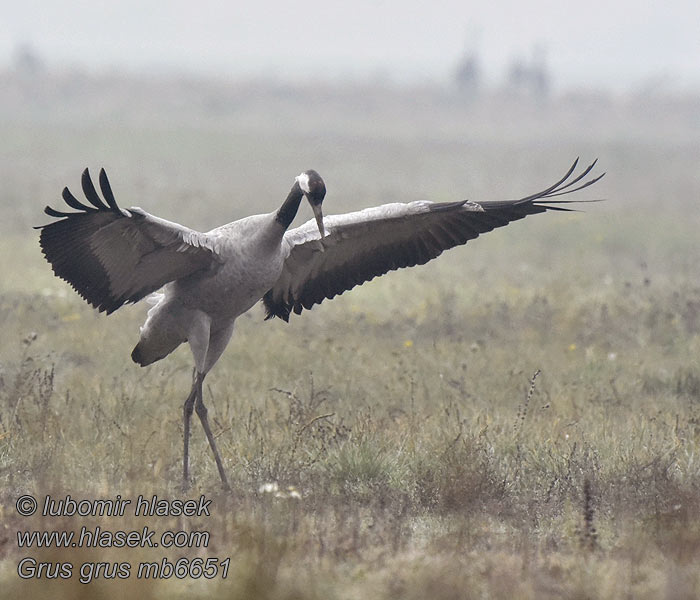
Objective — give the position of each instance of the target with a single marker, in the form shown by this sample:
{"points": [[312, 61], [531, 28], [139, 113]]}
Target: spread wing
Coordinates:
{"points": [[112, 256], [362, 245]]}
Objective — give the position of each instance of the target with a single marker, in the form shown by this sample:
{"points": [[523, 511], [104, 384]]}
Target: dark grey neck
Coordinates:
{"points": [[288, 210]]}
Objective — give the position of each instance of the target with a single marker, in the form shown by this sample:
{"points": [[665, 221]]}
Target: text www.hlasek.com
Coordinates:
{"points": [[99, 538]]}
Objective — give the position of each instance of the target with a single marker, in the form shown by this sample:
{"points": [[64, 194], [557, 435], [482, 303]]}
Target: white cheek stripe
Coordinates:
{"points": [[303, 181]]}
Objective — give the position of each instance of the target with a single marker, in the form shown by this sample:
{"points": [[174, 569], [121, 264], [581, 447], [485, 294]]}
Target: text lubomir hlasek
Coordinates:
{"points": [[116, 507]]}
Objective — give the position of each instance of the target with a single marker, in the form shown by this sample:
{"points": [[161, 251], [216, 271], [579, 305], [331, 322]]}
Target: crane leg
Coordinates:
{"points": [[206, 346], [188, 409], [202, 414]]}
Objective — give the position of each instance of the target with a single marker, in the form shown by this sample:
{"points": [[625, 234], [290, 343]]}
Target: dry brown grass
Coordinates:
{"points": [[429, 459]]}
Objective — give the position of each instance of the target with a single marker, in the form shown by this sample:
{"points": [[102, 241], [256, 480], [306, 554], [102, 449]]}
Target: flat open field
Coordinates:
{"points": [[414, 452]]}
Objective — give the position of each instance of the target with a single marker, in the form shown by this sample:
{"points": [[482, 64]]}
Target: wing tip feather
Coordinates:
{"points": [[90, 194]]}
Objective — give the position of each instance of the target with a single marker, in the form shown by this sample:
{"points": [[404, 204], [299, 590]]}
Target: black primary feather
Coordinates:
{"points": [[63, 243]]}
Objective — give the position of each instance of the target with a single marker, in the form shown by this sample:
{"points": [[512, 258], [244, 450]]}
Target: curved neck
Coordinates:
{"points": [[288, 210]]}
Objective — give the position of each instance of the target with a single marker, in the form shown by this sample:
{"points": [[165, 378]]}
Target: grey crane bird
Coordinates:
{"points": [[112, 256]]}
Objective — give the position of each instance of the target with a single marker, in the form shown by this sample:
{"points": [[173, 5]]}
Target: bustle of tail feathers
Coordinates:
{"points": [[137, 357], [154, 298], [162, 331], [142, 359], [137, 354]]}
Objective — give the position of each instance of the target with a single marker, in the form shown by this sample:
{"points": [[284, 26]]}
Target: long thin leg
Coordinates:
{"points": [[206, 346], [202, 414], [188, 408]]}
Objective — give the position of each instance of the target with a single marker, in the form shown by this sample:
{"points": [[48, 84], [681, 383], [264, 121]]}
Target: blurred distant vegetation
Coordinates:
{"points": [[430, 458]]}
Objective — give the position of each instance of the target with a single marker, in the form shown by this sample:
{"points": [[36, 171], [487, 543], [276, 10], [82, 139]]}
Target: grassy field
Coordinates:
{"points": [[518, 419]]}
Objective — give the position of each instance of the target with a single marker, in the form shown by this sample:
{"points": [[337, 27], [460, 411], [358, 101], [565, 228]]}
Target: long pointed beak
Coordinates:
{"points": [[318, 213]]}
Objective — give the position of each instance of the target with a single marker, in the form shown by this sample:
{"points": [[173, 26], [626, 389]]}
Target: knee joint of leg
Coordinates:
{"points": [[201, 409], [188, 407]]}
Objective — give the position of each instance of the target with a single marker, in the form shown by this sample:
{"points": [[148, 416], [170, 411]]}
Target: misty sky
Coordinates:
{"points": [[619, 44]]}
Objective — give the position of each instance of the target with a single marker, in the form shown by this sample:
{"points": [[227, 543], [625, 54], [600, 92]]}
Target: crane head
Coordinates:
{"points": [[314, 189]]}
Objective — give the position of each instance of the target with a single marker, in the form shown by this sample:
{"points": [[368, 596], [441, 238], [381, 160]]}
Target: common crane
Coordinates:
{"points": [[112, 256]]}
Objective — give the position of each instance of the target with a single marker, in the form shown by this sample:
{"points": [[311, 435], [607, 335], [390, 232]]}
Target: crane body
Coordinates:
{"points": [[113, 256]]}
